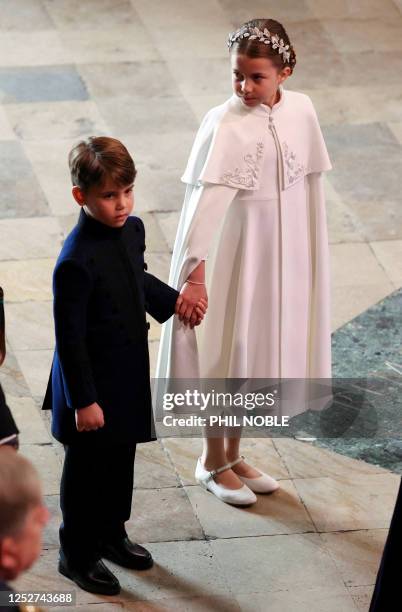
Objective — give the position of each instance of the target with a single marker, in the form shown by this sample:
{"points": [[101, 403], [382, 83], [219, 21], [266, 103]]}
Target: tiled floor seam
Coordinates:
{"points": [[384, 269], [294, 484], [239, 538], [282, 458], [166, 450], [161, 488], [347, 586], [274, 535]]}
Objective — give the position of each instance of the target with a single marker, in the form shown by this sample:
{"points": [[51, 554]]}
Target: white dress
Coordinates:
{"points": [[262, 229], [240, 335]]}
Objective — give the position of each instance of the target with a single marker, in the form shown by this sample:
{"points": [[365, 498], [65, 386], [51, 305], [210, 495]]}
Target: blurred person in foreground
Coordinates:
{"points": [[23, 516]]}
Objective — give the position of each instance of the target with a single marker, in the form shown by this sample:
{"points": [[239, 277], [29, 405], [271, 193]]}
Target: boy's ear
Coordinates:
{"points": [[7, 559], [78, 195]]}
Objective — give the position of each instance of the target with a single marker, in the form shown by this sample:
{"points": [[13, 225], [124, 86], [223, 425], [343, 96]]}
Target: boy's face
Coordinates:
{"points": [[109, 203], [19, 552]]}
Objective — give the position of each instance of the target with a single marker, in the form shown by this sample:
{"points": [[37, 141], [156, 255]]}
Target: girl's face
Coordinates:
{"points": [[255, 79]]}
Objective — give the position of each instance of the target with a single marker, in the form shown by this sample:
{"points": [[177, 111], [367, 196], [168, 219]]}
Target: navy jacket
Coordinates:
{"points": [[7, 424], [101, 292], [386, 588]]}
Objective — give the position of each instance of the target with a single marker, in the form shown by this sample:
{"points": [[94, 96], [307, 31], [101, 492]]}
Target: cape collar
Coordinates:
{"points": [[262, 110], [96, 228]]}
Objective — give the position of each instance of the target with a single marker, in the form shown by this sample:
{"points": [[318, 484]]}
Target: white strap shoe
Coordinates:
{"points": [[238, 497], [261, 484]]}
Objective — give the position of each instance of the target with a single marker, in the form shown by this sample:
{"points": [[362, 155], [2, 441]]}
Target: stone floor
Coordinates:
{"points": [[147, 72]]}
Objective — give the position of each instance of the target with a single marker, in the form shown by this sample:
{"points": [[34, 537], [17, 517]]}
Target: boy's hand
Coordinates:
{"points": [[89, 418]]}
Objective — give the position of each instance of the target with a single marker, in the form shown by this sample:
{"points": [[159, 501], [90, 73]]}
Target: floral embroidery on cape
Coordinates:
{"points": [[292, 167], [246, 176]]}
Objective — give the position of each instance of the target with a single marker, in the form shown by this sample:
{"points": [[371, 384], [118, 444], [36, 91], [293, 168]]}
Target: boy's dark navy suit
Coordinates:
{"points": [[101, 293]]}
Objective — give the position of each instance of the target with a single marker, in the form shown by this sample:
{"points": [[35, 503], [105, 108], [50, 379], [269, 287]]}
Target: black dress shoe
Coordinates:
{"points": [[126, 553], [97, 578]]}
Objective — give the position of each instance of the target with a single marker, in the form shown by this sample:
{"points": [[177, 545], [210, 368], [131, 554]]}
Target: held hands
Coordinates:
{"points": [[192, 304], [89, 418]]}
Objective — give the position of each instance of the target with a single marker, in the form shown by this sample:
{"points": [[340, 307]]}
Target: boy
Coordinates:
{"points": [[99, 389], [22, 517]]}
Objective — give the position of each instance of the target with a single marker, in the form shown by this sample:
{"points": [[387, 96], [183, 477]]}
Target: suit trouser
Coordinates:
{"points": [[95, 498], [388, 578]]}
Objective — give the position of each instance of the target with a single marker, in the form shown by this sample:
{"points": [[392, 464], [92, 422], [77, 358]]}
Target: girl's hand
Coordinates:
{"points": [[190, 297], [198, 313], [89, 418]]}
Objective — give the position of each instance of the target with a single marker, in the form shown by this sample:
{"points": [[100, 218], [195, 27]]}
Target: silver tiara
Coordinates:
{"points": [[263, 36]]}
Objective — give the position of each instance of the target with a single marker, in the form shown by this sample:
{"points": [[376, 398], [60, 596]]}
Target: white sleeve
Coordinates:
{"points": [[212, 202], [320, 365], [203, 211]]}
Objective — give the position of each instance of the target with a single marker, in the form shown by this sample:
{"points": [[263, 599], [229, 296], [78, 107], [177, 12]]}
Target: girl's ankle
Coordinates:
{"points": [[208, 464], [232, 457]]}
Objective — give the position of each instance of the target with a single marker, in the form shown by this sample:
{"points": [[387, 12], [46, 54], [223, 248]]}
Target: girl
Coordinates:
{"points": [[254, 209]]}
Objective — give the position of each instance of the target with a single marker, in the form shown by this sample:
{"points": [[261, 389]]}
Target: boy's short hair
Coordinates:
{"points": [[20, 490], [94, 160]]}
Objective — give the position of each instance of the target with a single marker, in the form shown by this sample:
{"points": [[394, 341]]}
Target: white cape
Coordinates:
{"points": [[228, 156]]}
